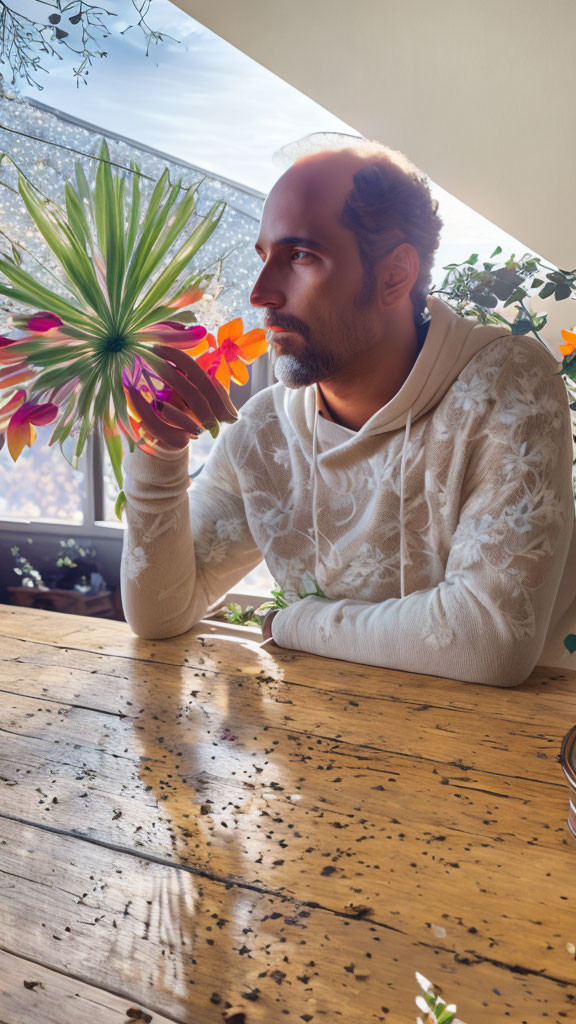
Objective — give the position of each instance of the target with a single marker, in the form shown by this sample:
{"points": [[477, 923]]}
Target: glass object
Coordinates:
{"points": [[42, 485], [568, 762]]}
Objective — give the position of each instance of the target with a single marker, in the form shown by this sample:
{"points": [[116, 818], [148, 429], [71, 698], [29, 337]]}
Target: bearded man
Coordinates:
{"points": [[413, 465]]}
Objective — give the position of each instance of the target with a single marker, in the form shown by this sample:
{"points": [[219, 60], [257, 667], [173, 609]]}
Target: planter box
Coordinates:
{"points": [[69, 601]]}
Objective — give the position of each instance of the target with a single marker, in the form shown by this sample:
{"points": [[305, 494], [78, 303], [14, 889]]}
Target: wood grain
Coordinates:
{"points": [[430, 833]]}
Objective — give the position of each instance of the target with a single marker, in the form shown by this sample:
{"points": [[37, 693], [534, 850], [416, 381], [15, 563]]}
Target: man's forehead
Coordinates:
{"points": [[306, 202]]}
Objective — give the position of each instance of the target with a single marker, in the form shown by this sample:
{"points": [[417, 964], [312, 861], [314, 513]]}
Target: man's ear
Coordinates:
{"points": [[397, 275]]}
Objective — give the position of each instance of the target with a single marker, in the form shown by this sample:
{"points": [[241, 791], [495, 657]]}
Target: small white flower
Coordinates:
{"points": [[134, 561], [470, 396]]}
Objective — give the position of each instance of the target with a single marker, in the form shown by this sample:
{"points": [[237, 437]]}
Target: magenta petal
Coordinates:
{"points": [[194, 331], [31, 412], [43, 322], [44, 414], [173, 336]]}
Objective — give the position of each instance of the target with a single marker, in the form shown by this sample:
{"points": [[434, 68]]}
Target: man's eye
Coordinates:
{"points": [[305, 253]]}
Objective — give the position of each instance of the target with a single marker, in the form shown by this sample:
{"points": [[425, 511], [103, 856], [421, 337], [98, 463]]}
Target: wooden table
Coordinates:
{"points": [[199, 824]]}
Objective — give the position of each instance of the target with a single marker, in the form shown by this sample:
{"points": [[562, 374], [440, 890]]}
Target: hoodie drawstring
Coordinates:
{"points": [[315, 524], [314, 492], [402, 464]]}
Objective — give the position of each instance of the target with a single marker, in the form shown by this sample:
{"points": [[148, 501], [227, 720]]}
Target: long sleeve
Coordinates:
{"points": [[486, 621], [184, 545]]}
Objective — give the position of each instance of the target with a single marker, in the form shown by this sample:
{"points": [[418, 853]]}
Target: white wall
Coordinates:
{"points": [[478, 93]]}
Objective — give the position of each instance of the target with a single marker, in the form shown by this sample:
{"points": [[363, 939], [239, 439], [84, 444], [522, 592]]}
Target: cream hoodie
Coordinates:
{"points": [[442, 532]]}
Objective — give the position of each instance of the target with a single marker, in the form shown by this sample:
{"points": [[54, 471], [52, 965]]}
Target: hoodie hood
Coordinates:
{"points": [[451, 342]]}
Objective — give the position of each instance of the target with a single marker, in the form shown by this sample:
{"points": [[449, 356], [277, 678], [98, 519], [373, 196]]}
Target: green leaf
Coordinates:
{"points": [[149, 231], [472, 259], [180, 261], [118, 395], [28, 291], [447, 1015], [134, 217], [517, 295], [119, 506], [170, 232], [77, 215], [54, 228], [570, 642], [114, 446], [563, 291], [109, 215], [183, 316], [496, 252], [521, 327], [64, 422], [536, 283], [547, 290], [82, 185], [82, 437], [102, 399]]}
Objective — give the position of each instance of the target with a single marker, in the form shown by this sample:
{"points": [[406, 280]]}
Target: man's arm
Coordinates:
{"points": [[184, 546], [486, 622]]}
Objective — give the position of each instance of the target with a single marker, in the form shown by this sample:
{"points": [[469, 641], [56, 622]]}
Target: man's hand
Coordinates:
{"points": [[197, 402], [267, 623]]}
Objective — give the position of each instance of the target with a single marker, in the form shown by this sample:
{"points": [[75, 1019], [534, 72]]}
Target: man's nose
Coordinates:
{"points": [[266, 292]]}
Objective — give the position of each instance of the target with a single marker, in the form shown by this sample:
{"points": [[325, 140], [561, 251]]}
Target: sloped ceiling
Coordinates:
{"points": [[478, 93]]}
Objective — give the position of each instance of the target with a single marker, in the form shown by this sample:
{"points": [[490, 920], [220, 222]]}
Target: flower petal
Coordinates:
{"points": [[223, 374], [18, 435], [254, 349], [43, 321], [239, 371], [17, 378], [187, 298], [232, 330], [171, 334], [208, 360], [202, 346], [10, 407], [43, 414]]}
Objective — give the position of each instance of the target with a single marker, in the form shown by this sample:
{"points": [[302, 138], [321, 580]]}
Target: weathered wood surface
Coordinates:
{"points": [[29, 991], [296, 836]]}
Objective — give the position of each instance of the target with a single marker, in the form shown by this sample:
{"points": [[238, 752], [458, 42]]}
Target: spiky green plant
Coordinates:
{"points": [[126, 270]]}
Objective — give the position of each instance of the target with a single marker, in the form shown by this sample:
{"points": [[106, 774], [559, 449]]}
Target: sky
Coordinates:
{"points": [[203, 100]]}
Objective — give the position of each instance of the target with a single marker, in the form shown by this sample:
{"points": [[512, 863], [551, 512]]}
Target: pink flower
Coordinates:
{"points": [[43, 321], [20, 430]]}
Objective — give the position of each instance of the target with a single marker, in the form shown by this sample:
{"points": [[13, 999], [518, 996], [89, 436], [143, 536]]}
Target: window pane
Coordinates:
{"points": [[258, 582], [199, 451], [42, 484]]}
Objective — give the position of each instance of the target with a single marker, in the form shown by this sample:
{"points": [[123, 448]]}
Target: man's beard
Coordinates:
{"points": [[313, 365], [295, 372]]}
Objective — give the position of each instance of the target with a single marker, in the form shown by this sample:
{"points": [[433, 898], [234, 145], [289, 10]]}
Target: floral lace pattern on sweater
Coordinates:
{"points": [[484, 494]]}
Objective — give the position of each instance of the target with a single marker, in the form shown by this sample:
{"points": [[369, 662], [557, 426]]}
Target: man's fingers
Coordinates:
{"points": [[216, 396], [198, 405], [178, 418], [158, 428]]}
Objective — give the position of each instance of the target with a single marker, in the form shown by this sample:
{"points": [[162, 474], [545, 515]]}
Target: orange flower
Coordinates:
{"points": [[227, 360], [570, 345]]}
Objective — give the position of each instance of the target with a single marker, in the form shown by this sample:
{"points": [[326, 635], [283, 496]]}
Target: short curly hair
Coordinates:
{"points": [[389, 203]]}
